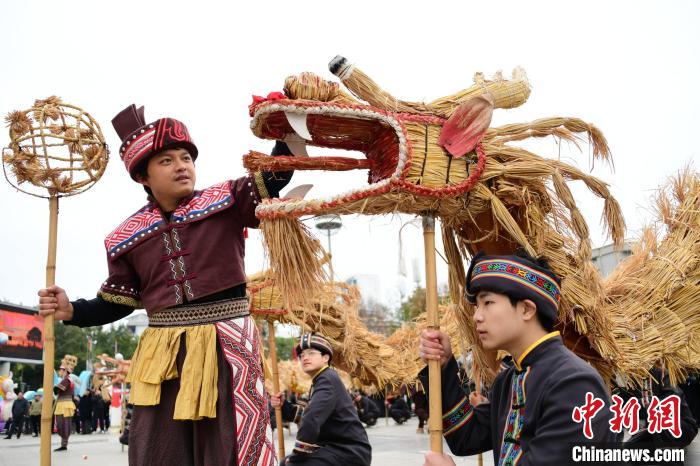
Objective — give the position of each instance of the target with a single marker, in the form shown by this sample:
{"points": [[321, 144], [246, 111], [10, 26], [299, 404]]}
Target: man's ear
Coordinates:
{"points": [[529, 309], [144, 181]]}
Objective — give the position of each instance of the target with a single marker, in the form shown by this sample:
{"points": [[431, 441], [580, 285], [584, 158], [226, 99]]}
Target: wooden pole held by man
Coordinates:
{"points": [[49, 339], [276, 388], [431, 298]]}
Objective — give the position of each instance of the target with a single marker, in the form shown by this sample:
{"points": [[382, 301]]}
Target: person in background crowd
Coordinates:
{"points": [[367, 410], [20, 410], [35, 414], [399, 410]]}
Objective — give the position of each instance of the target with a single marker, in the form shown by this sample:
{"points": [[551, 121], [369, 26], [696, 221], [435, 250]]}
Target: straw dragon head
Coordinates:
{"points": [[403, 143], [439, 157]]}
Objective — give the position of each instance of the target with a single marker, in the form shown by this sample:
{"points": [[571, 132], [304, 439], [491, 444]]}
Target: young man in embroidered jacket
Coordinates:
{"points": [[181, 258], [330, 433], [527, 418]]}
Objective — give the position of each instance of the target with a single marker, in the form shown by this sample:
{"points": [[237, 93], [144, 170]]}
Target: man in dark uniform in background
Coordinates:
{"points": [[399, 410], [367, 409], [527, 419], [330, 432]]}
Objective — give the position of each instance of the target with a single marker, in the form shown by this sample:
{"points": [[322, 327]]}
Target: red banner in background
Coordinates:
{"points": [[25, 331]]}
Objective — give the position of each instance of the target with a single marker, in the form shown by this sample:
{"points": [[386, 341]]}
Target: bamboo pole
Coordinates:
{"points": [[431, 298], [276, 388], [477, 388], [49, 339]]}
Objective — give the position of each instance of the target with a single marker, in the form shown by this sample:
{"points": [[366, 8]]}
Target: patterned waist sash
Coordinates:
{"points": [[200, 314]]}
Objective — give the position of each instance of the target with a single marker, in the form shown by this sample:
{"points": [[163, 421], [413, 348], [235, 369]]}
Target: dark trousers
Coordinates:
{"points": [[422, 414], [64, 424], [17, 426], [105, 410], [400, 415], [320, 458], [369, 419], [35, 420], [85, 425], [98, 421]]}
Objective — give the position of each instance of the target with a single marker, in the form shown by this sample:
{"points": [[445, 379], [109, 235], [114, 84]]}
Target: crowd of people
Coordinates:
{"points": [[91, 414]]}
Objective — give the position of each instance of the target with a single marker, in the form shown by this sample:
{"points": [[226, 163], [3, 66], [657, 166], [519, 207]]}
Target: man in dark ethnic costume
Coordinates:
{"points": [[196, 377], [527, 418], [330, 433]]}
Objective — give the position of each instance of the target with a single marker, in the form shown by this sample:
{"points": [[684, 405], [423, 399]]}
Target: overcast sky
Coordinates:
{"points": [[631, 68]]}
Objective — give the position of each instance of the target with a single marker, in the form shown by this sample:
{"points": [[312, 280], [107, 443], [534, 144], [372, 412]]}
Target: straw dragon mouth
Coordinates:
{"points": [[313, 111], [380, 136]]}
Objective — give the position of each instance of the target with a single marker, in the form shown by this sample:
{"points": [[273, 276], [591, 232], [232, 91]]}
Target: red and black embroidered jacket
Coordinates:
{"points": [[191, 255], [156, 263]]}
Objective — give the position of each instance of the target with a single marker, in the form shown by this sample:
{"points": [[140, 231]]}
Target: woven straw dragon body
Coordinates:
{"points": [[497, 197]]}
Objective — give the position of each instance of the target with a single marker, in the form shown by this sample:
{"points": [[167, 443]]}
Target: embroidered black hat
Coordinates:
{"points": [[315, 341], [518, 278], [141, 141]]}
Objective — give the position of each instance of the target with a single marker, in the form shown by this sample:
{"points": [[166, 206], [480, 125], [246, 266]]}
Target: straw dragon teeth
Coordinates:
{"points": [[298, 123]]}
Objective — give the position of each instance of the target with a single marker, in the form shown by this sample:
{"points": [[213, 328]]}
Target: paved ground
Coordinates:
{"points": [[392, 445]]}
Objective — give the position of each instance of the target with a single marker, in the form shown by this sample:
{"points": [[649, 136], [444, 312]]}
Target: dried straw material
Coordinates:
{"points": [[506, 93], [643, 314], [295, 259], [311, 86], [256, 161], [55, 146], [333, 313], [294, 379], [652, 296]]}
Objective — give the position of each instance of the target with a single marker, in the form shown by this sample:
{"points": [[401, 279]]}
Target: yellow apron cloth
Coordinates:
{"points": [[155, 361], [64, 408]]}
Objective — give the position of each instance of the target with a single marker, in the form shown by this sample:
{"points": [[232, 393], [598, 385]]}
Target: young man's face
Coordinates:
{"points": [[171, 175], [312, 360], [498, 322]]}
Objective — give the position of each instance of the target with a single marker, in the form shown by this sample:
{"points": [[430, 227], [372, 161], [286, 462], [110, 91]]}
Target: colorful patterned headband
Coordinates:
{"points": [[516, 277]]}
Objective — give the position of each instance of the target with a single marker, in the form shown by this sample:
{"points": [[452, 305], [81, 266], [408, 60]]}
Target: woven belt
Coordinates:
{"points": [[200, 314]]}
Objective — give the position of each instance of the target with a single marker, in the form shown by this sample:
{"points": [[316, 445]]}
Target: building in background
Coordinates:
{"points": [[369, 285], [378, 317], [607, 257], [137, 323]]}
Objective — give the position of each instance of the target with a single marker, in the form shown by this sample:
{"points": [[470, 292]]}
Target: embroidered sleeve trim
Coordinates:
{"points": [[119, 299], [260, 183], [456, 417], [305, 448]]}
